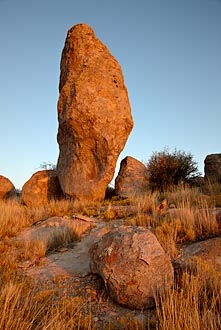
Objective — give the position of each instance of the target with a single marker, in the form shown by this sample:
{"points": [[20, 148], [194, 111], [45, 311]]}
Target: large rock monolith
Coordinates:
{"points": [[133, 265], [94, 115]]}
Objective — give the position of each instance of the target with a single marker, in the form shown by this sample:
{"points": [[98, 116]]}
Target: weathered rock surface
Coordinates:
{"points": [[133, 265], [132, 178], [41, 187], [7, 188], [208, 252], [67, 272], [73, 261], [94, 115], [212, 168]]}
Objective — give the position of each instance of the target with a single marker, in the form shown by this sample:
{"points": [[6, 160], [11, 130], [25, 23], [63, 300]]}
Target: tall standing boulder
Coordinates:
{"points": [[212, 168], [7, 188], [132, 178], [42, 187], [94, 115]]}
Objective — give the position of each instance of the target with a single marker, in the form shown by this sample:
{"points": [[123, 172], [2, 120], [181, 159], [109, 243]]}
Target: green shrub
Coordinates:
{"points": [[168, 169]]}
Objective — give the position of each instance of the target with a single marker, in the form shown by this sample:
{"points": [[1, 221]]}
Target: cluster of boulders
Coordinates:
{"points": [[132, 179], [95, 121]]}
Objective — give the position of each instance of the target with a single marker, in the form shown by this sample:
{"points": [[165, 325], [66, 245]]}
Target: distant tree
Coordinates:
{"points": [[47, 166], [166, 169]]}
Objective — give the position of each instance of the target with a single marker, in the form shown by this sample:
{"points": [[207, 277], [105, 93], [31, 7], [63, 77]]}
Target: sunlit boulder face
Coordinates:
{"points": [[94, 115], [132, 178], [7, 188], [42, 187], [133, 265]]}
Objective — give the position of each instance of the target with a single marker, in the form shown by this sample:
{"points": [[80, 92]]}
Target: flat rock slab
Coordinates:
{"points": [[44, 230], [73, 262], [209, 251]]}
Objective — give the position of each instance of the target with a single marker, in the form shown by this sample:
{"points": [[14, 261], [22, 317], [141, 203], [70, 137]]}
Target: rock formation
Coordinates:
{"points": [[212, 168], [7, 188], [94, 115], [133, 264], [132, 178], [41, 187]]}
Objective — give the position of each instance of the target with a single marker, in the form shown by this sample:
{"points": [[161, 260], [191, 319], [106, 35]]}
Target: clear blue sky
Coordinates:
{"points": [[170, 54]]}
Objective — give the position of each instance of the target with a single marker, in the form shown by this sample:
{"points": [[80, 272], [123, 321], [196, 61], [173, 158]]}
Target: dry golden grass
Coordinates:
{"points": [[194, 303], [191, 219], [186, 223], [25, 309], [146, 203], [14, 216], [31, 250]]}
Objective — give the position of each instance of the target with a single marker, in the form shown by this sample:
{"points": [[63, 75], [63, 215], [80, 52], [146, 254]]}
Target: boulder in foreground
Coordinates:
{"points": [[133, 265]]}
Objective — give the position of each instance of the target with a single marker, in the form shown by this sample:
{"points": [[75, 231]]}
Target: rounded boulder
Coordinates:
{"points": [[7, 188], [133, 265], [41, 187]]}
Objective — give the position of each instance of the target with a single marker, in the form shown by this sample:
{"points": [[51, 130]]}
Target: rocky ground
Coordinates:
{"points": [[66, 269]]}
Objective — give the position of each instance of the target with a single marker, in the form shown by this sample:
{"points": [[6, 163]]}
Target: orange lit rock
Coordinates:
{"points": [[41, 187], [132, 178], [133, 265], [7, 188], [94, 115]]}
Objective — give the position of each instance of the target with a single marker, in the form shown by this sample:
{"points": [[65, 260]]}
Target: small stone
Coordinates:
{"points": [[62, 249]]}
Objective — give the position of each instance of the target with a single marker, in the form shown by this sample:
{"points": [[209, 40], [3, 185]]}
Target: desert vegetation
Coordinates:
{"points": [[174, 209], [169, 168], [177, 216]]}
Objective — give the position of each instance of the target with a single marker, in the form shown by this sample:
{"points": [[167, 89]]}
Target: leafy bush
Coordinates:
{"points": [[167, 169]]}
